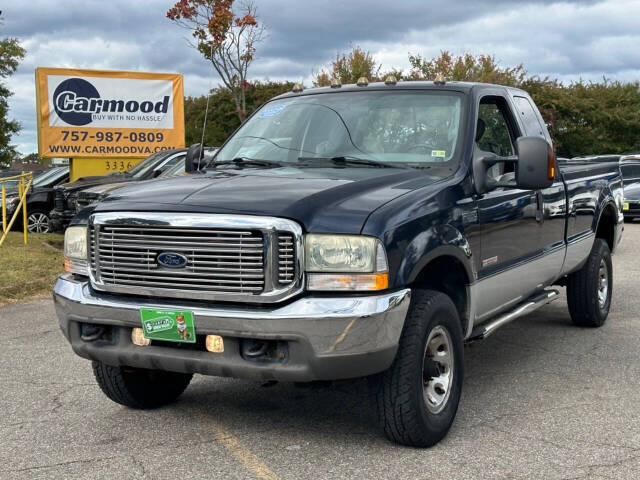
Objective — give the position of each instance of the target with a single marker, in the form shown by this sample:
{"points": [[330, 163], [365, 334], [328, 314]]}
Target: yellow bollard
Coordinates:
{"points": [[23, 189], [24, 211], [4, 209]]}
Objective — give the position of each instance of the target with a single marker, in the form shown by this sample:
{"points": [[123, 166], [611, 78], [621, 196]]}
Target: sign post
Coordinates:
{"points": [[107, 120]]}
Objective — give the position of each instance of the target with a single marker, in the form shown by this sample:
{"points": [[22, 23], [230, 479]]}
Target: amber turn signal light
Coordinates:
{"points": [[348, 281], [551, 163]]}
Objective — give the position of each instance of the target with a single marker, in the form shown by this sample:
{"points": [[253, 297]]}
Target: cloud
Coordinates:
{"points": [[567, 40]]}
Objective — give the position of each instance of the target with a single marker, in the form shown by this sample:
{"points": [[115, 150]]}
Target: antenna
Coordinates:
{"points": [[206, 112]]}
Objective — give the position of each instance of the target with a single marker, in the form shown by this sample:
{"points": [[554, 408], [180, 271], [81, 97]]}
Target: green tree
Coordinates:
{"points": [[35, 158], [465, 68], [348, 68], [10, 55], [589, 118]]}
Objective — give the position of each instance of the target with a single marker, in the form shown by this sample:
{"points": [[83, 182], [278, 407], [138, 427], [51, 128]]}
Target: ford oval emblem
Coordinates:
{"points": [[171, 260]]}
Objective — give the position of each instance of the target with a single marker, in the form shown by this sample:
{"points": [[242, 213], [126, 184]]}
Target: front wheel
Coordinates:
{"points": [[138, 387], [417, 398], [38, 221]]}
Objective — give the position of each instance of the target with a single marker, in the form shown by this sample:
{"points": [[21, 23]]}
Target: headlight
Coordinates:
{"points": [[345, 262], [11, 202], [75, 250]]}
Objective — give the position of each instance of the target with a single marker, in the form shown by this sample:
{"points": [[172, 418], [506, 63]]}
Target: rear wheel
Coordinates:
{"points": [[589, 289], [418, 396], [38, 221], [138, 387]]}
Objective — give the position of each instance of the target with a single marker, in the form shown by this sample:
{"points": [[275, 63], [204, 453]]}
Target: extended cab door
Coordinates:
{"points": [[552, 217]]}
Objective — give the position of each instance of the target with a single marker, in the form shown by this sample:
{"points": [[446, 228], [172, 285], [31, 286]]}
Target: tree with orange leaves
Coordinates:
{"points": [[225, 37]]}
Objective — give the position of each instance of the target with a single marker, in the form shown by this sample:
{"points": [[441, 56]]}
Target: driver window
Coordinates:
{"points": [[494, 134]]}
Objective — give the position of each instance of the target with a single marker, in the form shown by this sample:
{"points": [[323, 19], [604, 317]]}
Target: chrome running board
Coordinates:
{"points": [[483, 331]]}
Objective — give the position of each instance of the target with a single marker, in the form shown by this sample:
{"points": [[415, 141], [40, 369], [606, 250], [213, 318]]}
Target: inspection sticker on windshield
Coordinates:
{"points": [[168, 325], [438, 153], [271, 111]]}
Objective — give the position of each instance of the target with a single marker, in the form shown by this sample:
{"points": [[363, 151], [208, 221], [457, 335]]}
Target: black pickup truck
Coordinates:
{"points": [[342, 232], [66, 195]]}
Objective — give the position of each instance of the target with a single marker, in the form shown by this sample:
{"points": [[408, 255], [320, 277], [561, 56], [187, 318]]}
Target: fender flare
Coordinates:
{"points": [[443, 251], [438, 242]]}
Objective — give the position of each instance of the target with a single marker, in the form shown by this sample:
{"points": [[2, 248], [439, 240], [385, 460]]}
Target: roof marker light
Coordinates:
{"points": [[439, 79], [362, 82], [390, 80], [335, 83], [297, 88]]}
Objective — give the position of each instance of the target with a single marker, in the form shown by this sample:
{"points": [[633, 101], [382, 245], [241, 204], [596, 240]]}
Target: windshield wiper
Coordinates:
{"points": [[246, 161], [346, 160]]}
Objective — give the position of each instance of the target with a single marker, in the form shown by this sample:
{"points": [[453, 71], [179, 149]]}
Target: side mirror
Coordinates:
{"points": [[156, 173], [536, 165], [193, 158]]}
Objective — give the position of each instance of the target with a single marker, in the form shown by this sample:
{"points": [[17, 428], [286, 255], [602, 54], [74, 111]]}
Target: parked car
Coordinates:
{"points": [[66, 194], [360, 230], [99, 192], [10, 186], [39, 200], [597, 158], [630, 167]]}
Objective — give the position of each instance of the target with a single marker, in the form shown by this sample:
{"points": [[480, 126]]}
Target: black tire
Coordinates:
{"points": [[140, 388], [402, 408], [583, 287]]}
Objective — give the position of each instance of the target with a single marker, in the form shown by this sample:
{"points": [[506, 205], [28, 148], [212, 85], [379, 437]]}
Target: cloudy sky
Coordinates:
{"points": [[568, 40]]}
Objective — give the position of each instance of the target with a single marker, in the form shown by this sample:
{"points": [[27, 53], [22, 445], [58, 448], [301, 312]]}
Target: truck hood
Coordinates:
{"points": [[103, 188], [86, 182], [321, 199]]}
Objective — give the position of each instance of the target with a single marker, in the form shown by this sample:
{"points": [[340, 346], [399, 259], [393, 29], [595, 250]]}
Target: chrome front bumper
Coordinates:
{"points": [[328, 338]]}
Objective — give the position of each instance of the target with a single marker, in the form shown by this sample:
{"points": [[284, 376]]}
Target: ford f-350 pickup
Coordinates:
{"points": [[342, 232]]}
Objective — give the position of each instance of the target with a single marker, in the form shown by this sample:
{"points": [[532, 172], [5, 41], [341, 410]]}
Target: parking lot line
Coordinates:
{"points": [[239, 451]]}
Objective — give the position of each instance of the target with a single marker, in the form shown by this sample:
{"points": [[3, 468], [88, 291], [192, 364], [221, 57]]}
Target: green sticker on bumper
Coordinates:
{"points": [[168, 325]]}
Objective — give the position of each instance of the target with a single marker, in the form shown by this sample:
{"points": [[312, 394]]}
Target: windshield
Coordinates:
{"points": [[39, 177], [630, 172], [147, 164], [53, 174], [411, 127]]}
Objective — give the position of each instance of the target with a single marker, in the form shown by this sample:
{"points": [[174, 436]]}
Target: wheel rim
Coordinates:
{"points": [[437, 369], [38, 223], [603, 284]]}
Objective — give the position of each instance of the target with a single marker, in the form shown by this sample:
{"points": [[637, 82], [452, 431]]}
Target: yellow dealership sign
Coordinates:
{"points": [[108, 114]]}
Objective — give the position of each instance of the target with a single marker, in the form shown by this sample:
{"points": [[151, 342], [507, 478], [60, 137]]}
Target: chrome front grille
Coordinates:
{"points": [[227, 257], [92, 251], [286, 258], [217, 260]]}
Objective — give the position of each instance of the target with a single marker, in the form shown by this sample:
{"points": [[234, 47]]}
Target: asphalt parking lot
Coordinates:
{"points": [[542, 399]]}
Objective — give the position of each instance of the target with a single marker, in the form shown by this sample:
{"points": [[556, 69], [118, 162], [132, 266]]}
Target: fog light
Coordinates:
{"points": [[137, 337], [214, 343]]}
